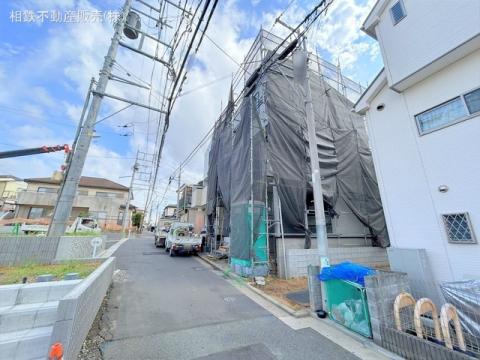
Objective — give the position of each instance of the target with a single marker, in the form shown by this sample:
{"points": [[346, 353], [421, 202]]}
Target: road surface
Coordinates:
{"points": [[180, 308]]}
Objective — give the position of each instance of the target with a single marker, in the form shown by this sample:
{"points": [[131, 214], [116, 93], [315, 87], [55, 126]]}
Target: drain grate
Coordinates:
{"points": [[155, 253]]}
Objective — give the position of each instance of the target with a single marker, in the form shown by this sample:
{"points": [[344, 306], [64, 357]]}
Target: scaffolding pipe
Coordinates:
{"points": [[251, 175], [285, 269]]}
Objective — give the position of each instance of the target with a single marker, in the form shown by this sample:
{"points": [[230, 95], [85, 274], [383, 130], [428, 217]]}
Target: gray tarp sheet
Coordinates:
{"points": [[219, 163], [345, 158], [465, 296]]}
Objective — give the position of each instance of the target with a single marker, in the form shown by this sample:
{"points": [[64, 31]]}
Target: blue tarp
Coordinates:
{"points": [[346, 271]]}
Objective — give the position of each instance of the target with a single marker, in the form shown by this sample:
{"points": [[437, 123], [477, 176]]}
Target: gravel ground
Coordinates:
{"points": [[98, 334]]}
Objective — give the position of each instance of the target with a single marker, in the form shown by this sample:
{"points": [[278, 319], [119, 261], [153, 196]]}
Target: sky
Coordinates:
{"points": [[46, 67]]}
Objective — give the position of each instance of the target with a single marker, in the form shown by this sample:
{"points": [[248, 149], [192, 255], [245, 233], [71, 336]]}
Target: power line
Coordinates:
{"points": [[201, 87], [180, 77], [50, 118]]}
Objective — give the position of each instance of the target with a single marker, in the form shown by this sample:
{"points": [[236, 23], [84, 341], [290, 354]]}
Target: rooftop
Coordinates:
{"points": [[10, 177], [85, 181]]}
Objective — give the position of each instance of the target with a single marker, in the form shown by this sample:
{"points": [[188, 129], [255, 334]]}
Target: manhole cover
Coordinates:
{"points": [[229, 299], [155, 253]]}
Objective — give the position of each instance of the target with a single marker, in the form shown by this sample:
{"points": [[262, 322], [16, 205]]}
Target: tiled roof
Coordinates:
{"points": [[85, 181]]}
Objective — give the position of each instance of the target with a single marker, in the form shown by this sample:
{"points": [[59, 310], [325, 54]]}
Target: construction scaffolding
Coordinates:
{"points": [[259, 165]]}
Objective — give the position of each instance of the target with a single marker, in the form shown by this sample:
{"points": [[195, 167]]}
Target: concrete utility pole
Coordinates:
{"points": [[126, 213], [300, 63], [68, 191], [178, 192]]}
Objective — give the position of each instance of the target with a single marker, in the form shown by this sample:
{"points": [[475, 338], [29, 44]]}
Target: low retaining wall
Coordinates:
{"points": [[298, 260], [17, 294], [16, 250], [77, 310]]}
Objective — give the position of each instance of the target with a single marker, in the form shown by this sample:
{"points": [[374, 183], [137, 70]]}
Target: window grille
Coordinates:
{"points": [[458, 228], [398, 12]]}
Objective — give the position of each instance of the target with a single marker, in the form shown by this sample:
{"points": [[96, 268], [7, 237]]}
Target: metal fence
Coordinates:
{"points": [[449, 316]]}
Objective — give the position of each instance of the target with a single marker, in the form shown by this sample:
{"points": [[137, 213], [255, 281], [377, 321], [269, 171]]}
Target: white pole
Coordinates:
{"points": [[126, 213], [301, 67], [66, 197]]}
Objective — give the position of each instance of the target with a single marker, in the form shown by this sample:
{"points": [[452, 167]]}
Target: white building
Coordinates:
{"points": [[423, 117]]}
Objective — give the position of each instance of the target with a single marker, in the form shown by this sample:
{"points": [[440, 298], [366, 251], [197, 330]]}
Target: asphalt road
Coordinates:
{"points": [[179, 308]]}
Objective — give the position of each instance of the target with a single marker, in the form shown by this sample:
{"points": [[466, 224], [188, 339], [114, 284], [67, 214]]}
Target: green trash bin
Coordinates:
{"points": [[347, 305]]}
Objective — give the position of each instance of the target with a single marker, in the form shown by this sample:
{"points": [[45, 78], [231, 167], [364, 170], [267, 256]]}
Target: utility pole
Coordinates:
{"points": [[178, 191], [126, 213], [300, 62], [68, 191]]}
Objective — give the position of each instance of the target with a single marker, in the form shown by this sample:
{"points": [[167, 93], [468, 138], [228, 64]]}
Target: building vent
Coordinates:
{"points": [[398, 12], [459, 229]]}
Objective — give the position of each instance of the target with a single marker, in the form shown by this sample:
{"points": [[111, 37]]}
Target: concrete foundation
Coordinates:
{"points": [[298, 260]]}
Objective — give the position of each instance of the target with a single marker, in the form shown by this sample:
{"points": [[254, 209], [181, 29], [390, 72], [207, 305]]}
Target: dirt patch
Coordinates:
{"points": [[16, 274], [278, 288], [98, 334]]}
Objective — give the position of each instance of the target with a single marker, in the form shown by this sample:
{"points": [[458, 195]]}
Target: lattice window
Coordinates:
{"points": [[398, 12], [459, 228]]}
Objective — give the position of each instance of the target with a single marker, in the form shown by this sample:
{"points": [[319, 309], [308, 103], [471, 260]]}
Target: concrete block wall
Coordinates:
{"points": [[299, 259], [382, 289], [16, 294], [77, 247], [77, 310], [21, 249], [16, 250], [27, 313]]}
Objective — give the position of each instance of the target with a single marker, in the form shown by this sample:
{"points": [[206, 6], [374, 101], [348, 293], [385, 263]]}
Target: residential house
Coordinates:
{"points": [[199, 206], [423, 117], [100, 198], [9, 186], [192, 205], [168, 216], [260, 193], [169, 211]]}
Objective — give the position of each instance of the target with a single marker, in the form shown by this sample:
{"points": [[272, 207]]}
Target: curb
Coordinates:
{"points": [[233, 276], [109, 252]]}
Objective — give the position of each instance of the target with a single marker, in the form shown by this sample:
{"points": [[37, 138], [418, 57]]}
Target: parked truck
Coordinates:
{"points": [[81, 224], [160, 236], [180, 239]]}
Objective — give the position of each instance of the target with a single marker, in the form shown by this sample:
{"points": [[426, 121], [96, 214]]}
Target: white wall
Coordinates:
{"points": [[411, 167], [431, 29], [199, 196]]}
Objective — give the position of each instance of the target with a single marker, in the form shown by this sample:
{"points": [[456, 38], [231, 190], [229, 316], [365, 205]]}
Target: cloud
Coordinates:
{"points": [[49, 84], [339, 33]]}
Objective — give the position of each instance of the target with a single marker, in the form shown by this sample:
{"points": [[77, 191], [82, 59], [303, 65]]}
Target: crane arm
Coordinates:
{"points": [[34, 151]]}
